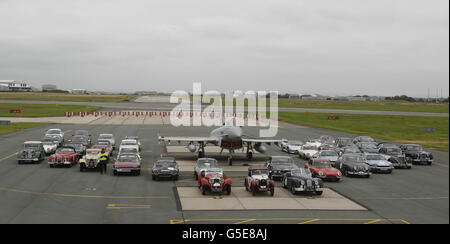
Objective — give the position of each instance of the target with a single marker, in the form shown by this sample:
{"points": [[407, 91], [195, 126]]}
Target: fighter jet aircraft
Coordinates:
{"points": [[228, 137]]}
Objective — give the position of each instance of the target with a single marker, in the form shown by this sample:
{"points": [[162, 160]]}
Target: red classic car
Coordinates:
{"points": [[258, 181], [127, 163], [321, 168], [214, 180], [64, 156]]}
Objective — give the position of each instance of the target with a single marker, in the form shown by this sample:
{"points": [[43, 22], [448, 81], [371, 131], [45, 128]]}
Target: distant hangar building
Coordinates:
{"points": [[12, 85]]}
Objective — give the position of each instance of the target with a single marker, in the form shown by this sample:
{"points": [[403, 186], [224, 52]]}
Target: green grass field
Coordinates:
{"points": [[398, 106], [5, 129], [63, 97], [42, 110], [403, 129]]}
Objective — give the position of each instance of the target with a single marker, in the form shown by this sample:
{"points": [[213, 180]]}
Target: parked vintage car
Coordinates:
{"points": [[378, 163], [83, 133], [64, 156], [387, 144], [358, 139], [343, 142], [350, 149], [79, 148], [106, 146], [283, 143], [307, 151], [136, 138], [368, 147], [301, 180], [327, 139], [330, 155], [322, 168], [400, 162], [417, 154], [258, 181], [215, 181], [80, 140], [389, 152], [315, 142], [127, 163], [331, 147], [278, 165], [32, 152], [203, 164], [90, 161], [50, 144], [166, 167], [130, 142], [108, 137], [127, 149], [292, 147], [353, 165], [58, 132]]}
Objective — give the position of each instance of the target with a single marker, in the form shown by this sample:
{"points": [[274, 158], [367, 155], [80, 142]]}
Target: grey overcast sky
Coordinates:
{"points": [[374, 47]]}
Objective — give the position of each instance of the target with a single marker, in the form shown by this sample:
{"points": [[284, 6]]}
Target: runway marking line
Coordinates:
{"points": [[9, 156], [127, 206], [442, 165], [373, 221], [81, 196], [401, 198], [306, 220]]}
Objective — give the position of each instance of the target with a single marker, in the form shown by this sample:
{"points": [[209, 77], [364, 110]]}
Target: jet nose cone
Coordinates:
{"points": [[236, 132]]}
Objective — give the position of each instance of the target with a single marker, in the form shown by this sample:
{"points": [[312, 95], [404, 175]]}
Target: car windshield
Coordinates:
{"points": [[65, 150], [366, 139], [353, 158], [260, 172], [128, 158], [166, 164], [374, 157], [369, 145], [92, 152], [30, 145], [207, 163], [300, 172], [414, 148], [103, 142], [48, 140], [309, 147], [213, 170], [79, 139], [128, 143], [321, 163], [328, 153], [53, 132], [98, 146], [393, 150], [106, 136], [128, 150], [295, 143]]}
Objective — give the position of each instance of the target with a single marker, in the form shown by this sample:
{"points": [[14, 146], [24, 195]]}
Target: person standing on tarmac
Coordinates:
{"points": [[102, 158]]}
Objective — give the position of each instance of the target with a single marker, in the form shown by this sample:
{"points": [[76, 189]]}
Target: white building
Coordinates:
{"points": [[12, 85]]}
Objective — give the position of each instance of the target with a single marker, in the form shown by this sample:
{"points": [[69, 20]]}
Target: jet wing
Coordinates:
{"points": [[266, 141], [188, 139]]}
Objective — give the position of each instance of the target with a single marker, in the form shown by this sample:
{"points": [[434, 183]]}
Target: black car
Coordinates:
{"points": [[417, 154], [301, 180], [80, 149], [349, 149], [165, 167], [353, 165], [278, 165], [391, 152], [400, 162]]}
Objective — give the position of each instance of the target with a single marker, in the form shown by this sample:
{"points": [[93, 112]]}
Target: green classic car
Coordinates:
{"points": [[32, 152]]}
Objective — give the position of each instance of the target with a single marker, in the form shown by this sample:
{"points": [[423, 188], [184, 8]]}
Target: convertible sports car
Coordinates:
{"points": [[378, 163], [353, 165], [165, 167], [58, 132], [258, 181], [127, 163], [214, 180], [389, 152], [321, 168], [203, 164], [79, 148], [417, 154], [64, 156], [307, 151], [32, 152], [330, 155], [292, 146], [278, 165], [50, 144], [301, 180]]}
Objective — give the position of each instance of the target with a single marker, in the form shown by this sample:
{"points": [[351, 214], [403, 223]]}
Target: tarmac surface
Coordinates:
{"points": [[36, 193]]}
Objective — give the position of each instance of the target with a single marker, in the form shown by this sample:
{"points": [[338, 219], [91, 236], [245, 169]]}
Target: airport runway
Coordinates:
{"points": [[165, 106], [39, 194]]}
